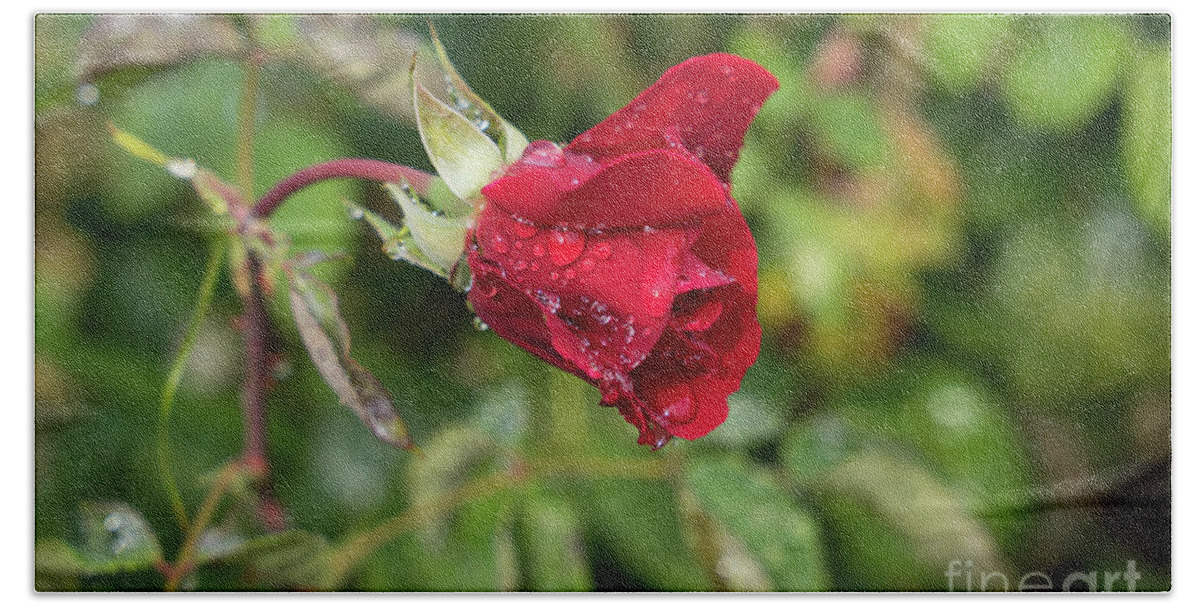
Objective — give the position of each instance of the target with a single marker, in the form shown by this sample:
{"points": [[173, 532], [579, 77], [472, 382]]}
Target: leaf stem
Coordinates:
{"points": [[167, 398]]}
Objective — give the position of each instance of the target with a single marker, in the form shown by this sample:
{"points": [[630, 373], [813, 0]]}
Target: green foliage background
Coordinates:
{"points": [[964, 226]]}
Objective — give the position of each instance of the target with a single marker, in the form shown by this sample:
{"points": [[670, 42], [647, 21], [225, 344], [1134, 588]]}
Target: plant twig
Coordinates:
{"points": [[184, 563], [167, 398]]}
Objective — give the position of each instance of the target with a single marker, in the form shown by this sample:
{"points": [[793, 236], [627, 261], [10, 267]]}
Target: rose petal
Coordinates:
{"points": [[652, 188], [606, 296], [703, 105]]}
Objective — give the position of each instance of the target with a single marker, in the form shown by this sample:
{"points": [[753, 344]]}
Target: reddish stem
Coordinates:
{"points": [[361, 168], [254, 397]]}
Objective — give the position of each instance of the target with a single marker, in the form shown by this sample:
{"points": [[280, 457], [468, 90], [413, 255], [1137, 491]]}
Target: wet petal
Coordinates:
{"points": [[703, 105], [653, 188]]}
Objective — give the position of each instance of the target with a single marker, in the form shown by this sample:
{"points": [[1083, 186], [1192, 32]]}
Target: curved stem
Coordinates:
{"points": [[361, 168]]}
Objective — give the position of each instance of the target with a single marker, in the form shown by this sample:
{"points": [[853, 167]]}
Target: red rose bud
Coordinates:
{"points": [[623, 259]]}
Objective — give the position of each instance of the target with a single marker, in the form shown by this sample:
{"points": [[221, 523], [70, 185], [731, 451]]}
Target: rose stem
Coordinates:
{"points": [[361, 168]]}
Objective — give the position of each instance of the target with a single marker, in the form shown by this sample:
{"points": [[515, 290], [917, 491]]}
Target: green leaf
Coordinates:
{"points": [[471, 547], [896, 527], [325, 336], [781, 536], [511, 141], [553, 549], [464, 156]]}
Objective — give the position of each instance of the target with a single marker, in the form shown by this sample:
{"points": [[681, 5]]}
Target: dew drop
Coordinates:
{"points": [[499, 243], [183, 168], [701, 97], [681, 408], [553, 275], [520, 264], [543, 154], [480, 325], [525, 229], [602, 251], [538, 250], [565, 246], [355, 212], [87, 94], [727, 70], [548, 300]]}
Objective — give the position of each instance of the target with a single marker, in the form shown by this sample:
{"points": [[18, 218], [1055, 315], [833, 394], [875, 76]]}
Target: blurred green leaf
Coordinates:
{"points": [[894, 527], [292, 560], [117, 41], [1064, 69], [115, 537], [639, 523], [756, 511], [959, 48], [1146, 135], [553, 550]]}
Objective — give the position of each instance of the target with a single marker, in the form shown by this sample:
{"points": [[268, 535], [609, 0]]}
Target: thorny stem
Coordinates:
{"points": [[361, 168]]}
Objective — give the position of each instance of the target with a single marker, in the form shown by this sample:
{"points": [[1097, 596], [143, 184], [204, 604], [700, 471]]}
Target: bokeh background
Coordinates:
{"points": [[964, 229]]}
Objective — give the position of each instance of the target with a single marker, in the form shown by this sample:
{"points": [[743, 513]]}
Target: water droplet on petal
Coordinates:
{"points": [[538, 250], [565, 246], [480, 325], [701, 97], [727, 70], [548, 300], [680, 406], [499, 243], [543, 154], [602, 251], [520, 264], [525, 229]]}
